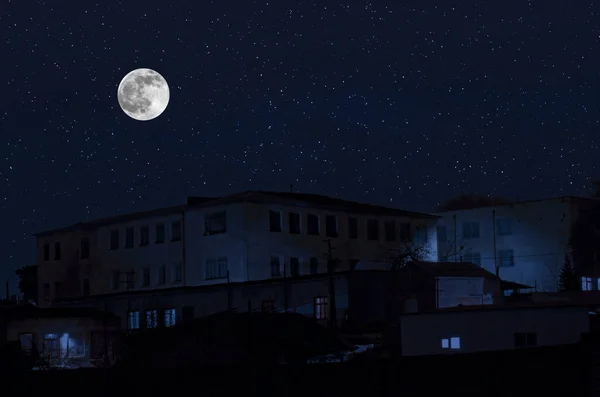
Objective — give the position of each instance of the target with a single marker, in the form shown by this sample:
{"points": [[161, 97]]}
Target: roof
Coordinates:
{"points": [[454, 269], [527, 305], [265, 197], [564, 198]]}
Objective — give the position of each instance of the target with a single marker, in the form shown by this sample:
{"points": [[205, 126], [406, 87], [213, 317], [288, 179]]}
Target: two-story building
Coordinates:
{"points": [[523, 242], [220, 248]]}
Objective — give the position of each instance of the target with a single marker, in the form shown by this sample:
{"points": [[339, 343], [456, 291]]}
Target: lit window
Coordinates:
{"points": [[451, 343], [445, 343], [151, 318], [170, 317], [134, 320], [321, 308], [586, 283]]}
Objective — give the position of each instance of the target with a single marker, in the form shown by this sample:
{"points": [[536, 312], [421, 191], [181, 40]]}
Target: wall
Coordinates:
{"points": [[539, 238], [453, 291], [486, 330]]}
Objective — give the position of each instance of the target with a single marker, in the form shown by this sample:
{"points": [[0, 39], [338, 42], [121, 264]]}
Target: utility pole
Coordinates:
{"points": [[285, 289], [330, 271], [229, 306], [129, 277], [496, 268]]}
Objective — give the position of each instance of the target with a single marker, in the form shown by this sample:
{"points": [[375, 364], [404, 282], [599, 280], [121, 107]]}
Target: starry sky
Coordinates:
{"points": [[401, 103]]}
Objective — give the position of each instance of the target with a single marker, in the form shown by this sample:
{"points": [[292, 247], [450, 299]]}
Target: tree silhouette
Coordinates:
{"points": [[470, 201], [568, 280], [28, 282]]}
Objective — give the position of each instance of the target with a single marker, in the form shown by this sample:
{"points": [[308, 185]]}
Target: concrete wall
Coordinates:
{"points": [[539, 239], [494, 329]]}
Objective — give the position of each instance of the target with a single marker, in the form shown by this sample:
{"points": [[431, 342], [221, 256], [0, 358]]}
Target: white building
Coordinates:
{"points": [[240, 238], [524, 242]]}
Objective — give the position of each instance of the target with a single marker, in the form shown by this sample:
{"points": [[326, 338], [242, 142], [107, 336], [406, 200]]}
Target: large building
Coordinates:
{"points": [[523, 242], [253, 237]]}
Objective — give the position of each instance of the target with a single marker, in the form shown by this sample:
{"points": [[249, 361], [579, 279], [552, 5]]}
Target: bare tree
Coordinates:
{"points": [[55, 357], [409, 251]]}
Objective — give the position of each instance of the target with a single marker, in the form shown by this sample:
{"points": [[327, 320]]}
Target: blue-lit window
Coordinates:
{"points": [[151, 318], [503, 227], [586, 283], [170, 317], [134, 320]]}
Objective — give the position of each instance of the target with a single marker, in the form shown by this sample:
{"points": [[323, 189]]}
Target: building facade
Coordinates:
{"points": [[524, 242], [241, 238]]}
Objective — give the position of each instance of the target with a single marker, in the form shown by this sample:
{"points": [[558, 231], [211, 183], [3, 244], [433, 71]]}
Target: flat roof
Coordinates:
{"points": [[523, 202]]}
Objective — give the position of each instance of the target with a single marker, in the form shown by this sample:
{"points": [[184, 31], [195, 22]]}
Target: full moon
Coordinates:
{"points": [[143, 94]]}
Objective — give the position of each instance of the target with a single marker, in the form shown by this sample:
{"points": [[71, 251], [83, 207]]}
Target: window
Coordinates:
{"points": [[56, 251], [586, 283], [115, 279], [134, 320], [151, 318], [295, 223], [312, 225], [160, 233], [46, 291], [46, 252], [177, 272], [176, 231], [162, 274], [421, 235], [114, 239], [506, 258], [215, 223], [129, 237], [216, 268], [84, 252], [321, 308], [275, 221], [145, 276], [27, 342], [353, 227], [373, 229], [294, 267], [267, 306], [451, 343], [442, 235], [130, 280], [331, 226], [144, 235], [275, 266], [314, 265], [473, 257], [51, 345], [86, 287], [525, 339], [58, 290], [470, 230], [170, 317], [503, 227], [390, 230], [405, 231]]}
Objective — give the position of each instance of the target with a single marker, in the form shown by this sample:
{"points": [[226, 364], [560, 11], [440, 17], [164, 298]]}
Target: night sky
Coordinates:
{"points": [[383, 102]]}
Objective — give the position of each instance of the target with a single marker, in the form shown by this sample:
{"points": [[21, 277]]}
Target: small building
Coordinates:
{"points": [[60, 337], [489, 328]]}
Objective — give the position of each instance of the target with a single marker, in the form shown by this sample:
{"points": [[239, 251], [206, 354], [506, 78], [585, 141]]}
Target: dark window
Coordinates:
{"points": [[314, 265], [470, 230], [46, 291], [390, 230], [216, 268], [275, 266], [114, 239], [503, 227], [145, 276], [176, 231], [373, 229], [421, 235], [46, 252], [86, 287], [144, 235], [130, 279], [85, 248], [58, 290], [442, 236], [442, 258], [187, 313], [129, 237], [321, 308], [352, 227], [312, 224], [405, 231], [295, 226], [162, 274], [27, 342], [160, 233], [275, 221], [294, 266], [151, 318], [57, 251], [331, 226], [115, 279], [177, 272], [525, 339], [215, 223], [506, 258], [267, 306]]}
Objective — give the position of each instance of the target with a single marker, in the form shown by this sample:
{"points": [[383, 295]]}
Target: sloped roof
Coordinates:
{"points": [[454, 269], [291, 199]]}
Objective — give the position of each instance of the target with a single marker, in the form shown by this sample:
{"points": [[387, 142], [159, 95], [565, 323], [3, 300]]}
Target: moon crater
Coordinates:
{"points": [[143, 94]]}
